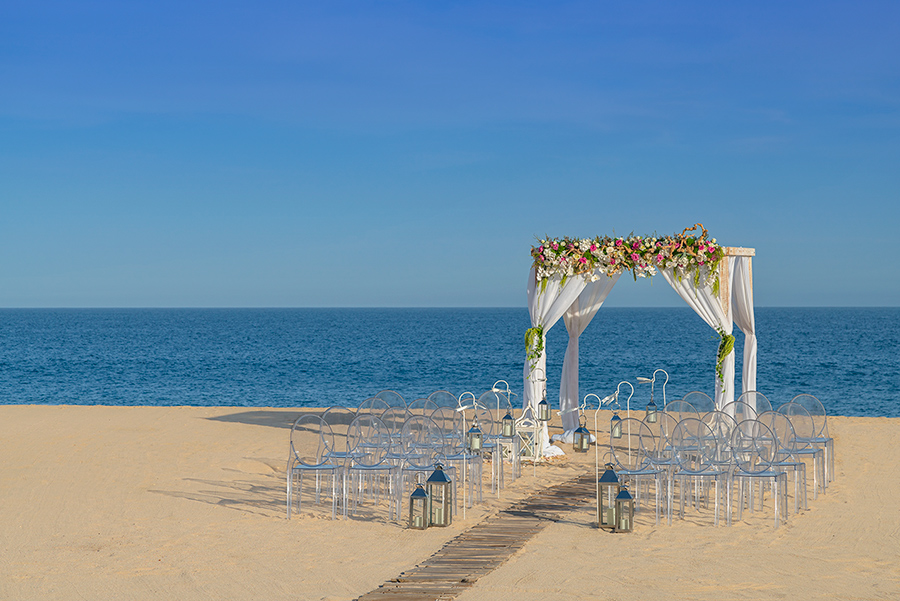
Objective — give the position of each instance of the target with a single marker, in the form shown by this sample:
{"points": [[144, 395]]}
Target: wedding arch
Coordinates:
{"points": [[570, 278]]}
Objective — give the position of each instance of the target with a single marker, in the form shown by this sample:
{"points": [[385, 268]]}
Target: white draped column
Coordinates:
{"points": [[546, 304], [707, 305], [577, 318], [742, 303]]}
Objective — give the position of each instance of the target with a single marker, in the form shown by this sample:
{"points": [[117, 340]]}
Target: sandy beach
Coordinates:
{"points": [[189, 503]]}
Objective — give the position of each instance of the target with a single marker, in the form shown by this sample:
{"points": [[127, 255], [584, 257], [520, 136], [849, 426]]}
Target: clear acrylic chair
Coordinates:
{"points": [[631, 453], [488, 413], [392, 398], [682, 410], [466, 464], [661, 453], [722, 426], [821, 439], [805, 429], [755, 449], [310, 446], [370, 474], [739, 411], [698, 458], [786, 459], [757, 401], [422, 446], [373, 405], [442, 398], [421, 407], [700, 401]]}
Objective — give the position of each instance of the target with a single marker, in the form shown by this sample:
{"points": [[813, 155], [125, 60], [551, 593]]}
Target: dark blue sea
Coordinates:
{"points": [[319, 357]]}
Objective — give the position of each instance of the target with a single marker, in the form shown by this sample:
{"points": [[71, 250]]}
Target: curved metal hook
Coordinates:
{"points": [[620, 386], [664, 383]]}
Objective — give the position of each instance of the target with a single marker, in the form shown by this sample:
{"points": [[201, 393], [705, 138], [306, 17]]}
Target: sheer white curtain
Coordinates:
{"points": [[577, 318], [546, 306], [706, 304], [742, 301]]}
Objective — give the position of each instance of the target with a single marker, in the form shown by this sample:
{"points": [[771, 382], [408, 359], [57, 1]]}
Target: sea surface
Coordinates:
{"points": [[320, 357]]}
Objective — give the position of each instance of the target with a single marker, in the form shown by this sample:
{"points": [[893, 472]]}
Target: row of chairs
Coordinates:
{"points": [[704, 454], [379, 449]]}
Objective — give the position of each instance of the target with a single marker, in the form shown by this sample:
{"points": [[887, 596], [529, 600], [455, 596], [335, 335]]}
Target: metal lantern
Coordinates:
{"points": [[615, 425], [508, 426], [474, 437], [624, 510], [440, 497], [581, 439], [543, 411], [651, 416], [418, 508], [607, 492]]}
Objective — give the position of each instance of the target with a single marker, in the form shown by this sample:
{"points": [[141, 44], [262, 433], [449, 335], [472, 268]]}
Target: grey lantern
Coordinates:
{"points": [[418, 508], [440, 497], [581, 439], [615, 425], [624, 510], [607, 491], [651, 416], [474, 437], [508, 426]]}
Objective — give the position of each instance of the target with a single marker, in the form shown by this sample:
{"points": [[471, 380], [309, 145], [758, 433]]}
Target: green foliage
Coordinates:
{"points": [[534, 344], [726, 345]]}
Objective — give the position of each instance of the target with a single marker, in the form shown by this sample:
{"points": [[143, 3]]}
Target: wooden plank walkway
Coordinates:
{"points": [[485, 546]]}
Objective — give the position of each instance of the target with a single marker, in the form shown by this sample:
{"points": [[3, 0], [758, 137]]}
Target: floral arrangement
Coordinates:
{"points": [[688, 253]]}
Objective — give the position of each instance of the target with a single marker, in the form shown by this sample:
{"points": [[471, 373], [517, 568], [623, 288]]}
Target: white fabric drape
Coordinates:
{"points": [[742, 301], [545, 308], [706, 304], [577, 318]]}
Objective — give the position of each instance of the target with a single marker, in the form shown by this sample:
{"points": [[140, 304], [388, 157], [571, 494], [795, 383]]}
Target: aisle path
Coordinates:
{"points": [[484, 547]]}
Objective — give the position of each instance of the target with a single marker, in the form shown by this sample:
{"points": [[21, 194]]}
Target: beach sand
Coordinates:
{"points": [[189, 503]]}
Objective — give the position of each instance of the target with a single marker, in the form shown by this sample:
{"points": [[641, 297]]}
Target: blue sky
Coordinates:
{"points": [[408, 153]]}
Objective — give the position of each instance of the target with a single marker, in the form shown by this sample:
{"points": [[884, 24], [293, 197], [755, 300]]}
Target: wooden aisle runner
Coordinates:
{"points": [[485, 546]]}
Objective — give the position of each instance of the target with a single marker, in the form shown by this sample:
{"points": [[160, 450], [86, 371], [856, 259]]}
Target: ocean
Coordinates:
{"points": [[847, 357]]}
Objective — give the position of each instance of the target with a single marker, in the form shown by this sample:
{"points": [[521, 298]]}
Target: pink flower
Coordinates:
{"points": [[701, 262], [562, 259], [678, 245], [636, 245], [593, 247], [619, 242], [555, 246], [612, 261], [659, 258], [634, 257], [583, 260], [542, 258], [541, 248]]}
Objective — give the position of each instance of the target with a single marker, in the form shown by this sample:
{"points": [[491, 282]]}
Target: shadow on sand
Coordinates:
{"points": [[282, 419]]}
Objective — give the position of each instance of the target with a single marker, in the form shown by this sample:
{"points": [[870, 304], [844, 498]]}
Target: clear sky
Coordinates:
{"points": [[292, 154]]}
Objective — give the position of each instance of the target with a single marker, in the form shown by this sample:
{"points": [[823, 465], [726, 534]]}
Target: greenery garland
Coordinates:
{"points": [[534, 344], [726, 345]]}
